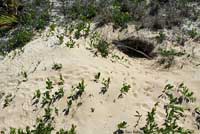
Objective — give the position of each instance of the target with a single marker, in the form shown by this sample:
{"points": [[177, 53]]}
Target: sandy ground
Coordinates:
{"points": [[147, 81]]}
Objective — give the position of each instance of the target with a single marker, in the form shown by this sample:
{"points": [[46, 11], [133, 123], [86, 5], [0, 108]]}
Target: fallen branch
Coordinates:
{"points": [[118, 44]]}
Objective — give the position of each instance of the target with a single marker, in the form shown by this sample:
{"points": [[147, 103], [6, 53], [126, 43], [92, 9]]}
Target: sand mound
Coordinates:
{"points": [[97, 113]]}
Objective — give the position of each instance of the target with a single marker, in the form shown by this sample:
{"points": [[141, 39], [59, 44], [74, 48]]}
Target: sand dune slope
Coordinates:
{"points": [[97, 114]]}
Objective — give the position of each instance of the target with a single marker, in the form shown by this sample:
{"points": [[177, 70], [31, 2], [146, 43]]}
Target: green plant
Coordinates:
{"points": [[80, 88], [69, 104], [19, 38], [118, 58], [161, 37], [56, 111], [106, 83], [79, 9], [36, 97], [46, 99], [52, 27], [193, 33], [42, 20], [8, 99], [25, 76], [103, 48], [77, 92], [121, 126], [173, 110], [168, 57], [61, 39], [57, 66], [69, 29], [151, 126], [48, 114], [58, 94], [72, 130], [171, 52], [20, 20], [42, 127], [82, 28], [70, 43], [7, 20], [45, 124], [61, 80], [187, 95], [100, 45], [119, 18], [125, 88], [49, 84], [97, 77]]}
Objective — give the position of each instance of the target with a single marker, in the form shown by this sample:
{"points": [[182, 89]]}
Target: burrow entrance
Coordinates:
{"points": [[136, 47]]}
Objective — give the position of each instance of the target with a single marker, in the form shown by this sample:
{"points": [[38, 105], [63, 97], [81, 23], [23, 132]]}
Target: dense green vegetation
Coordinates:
{"points": [[27, 17], [20, 20]]}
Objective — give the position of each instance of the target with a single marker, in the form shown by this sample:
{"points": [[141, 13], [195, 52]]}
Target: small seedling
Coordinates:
{"points": [[97, 77], [36, 97], [105, 87], [126, 87], [47, 116], [46, 99], [57, 66], [80, 89], [103, 48], [99, 44], [56, 111], [8, 99], [193, 33], [49, 84], [61, 81], [52, 27], [71, 131], [186, 95], [70, 43], [166, 62], [58, 95], [120, 128], [61, 39], [69, 29], [161, 37], [82, 28], [76, 93], [25, 76], [69, 104]]}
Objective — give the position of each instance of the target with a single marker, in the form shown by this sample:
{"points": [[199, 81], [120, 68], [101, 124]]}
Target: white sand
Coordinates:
{"points": [[146, 78]]}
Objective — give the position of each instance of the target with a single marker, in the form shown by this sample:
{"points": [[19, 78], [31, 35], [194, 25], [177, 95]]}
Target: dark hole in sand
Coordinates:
{"points": [[135, 47]]}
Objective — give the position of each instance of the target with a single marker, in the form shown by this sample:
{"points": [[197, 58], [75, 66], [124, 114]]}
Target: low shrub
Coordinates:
{"points": [[174, 111], [19, 38], [32, 17], [100, 45]]}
